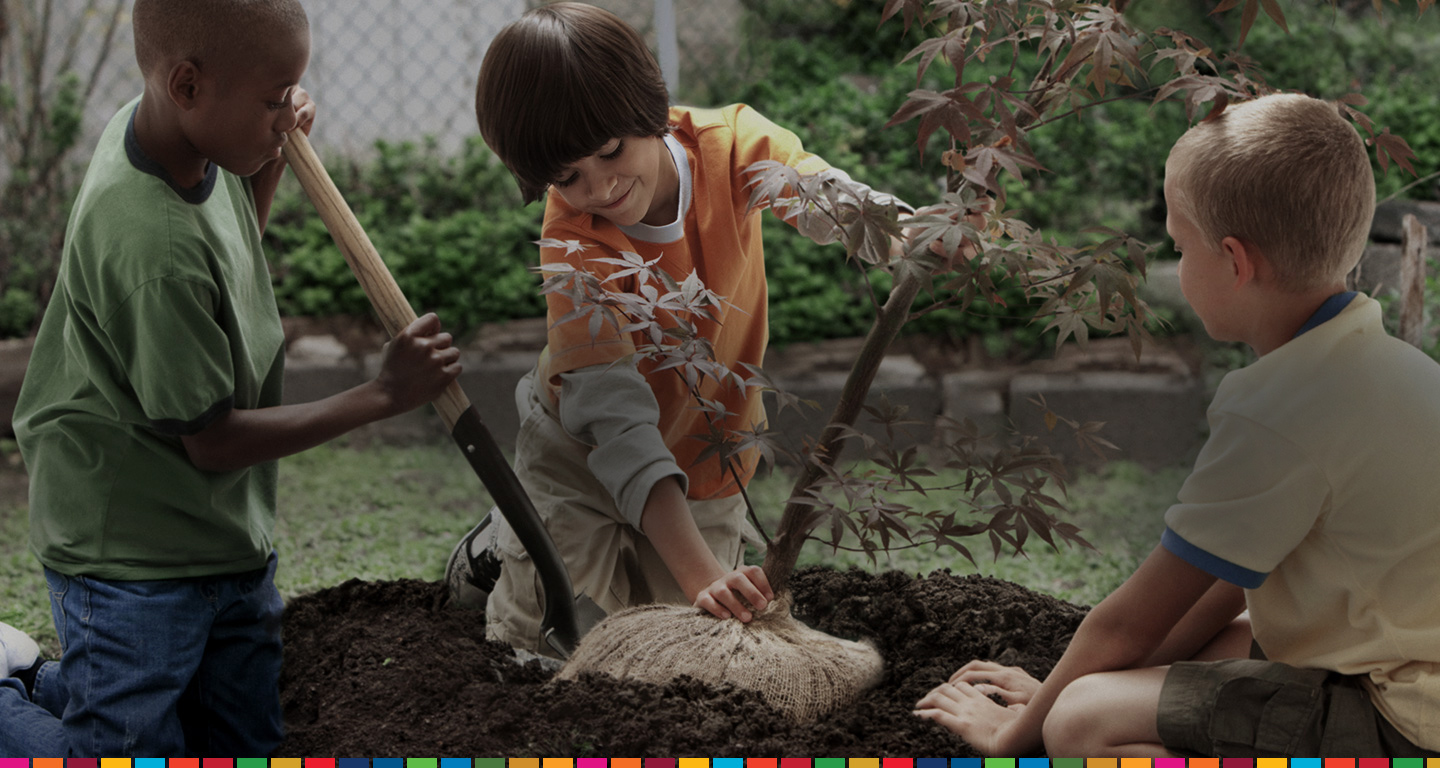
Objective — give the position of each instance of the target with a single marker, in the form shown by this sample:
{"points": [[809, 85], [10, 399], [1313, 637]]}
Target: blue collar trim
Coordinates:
{"points": [[1328, 310]]}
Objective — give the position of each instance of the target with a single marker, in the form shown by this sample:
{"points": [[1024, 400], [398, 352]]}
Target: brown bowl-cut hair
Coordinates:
{"points": [[558, 84]]}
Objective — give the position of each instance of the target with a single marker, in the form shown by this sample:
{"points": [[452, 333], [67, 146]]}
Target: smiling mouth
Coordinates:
{"points": [[618, 201]]}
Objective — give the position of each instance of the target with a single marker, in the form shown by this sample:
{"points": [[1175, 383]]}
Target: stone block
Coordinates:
{"points": [[978, 396], [1378, 268], [901, 381], [1386, 227], [1156, 420]]}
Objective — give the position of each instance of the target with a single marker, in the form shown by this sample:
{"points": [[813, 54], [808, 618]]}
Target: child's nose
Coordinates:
{"points": [[603, 187], [287, 120]]}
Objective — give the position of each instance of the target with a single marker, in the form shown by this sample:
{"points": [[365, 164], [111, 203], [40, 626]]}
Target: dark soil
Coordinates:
{"points": [[388, 669]]}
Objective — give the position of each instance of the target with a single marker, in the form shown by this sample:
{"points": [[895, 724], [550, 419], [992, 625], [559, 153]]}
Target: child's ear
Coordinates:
{"points": [[183, 84], [1244, 260]]}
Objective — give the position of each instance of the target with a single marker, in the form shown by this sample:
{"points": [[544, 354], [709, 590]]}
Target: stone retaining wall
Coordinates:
{"points": [[1154, 411]]}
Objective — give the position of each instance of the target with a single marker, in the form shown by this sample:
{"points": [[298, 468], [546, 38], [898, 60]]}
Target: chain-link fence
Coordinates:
{"points": [[406, 69]]}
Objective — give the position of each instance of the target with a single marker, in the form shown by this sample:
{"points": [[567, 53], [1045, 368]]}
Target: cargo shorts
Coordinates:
{"points": [[1261, 708], [606, 557]]}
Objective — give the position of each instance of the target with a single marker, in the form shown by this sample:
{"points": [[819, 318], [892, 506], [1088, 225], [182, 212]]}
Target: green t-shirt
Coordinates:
{"points": [[162, 319]]}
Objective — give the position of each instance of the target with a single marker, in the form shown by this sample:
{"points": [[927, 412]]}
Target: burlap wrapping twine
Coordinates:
{"points": [[800, 671]]}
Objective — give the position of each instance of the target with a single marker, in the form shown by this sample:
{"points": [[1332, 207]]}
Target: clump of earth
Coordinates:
{"points": [[391, 669]]}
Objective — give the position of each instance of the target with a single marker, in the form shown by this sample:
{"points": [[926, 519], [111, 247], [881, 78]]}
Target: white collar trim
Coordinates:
{"points": [[675, 230]]}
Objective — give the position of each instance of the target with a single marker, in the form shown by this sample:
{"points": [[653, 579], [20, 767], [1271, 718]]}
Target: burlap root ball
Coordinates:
{"points": [[800, 671]]}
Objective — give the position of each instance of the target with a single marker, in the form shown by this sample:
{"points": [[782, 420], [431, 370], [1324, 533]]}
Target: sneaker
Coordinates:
{"points": [[17, 650], [474, 565]]}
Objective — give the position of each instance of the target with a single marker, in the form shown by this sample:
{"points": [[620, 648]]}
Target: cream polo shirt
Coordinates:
{"points": [[1318, 491]]}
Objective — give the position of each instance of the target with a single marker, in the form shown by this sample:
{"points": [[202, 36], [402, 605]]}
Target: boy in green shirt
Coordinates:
{"points": [[150, 418]]}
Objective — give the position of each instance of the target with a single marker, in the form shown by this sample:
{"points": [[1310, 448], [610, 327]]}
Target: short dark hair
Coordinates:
{"points": [[560, 82], [203, 29]]}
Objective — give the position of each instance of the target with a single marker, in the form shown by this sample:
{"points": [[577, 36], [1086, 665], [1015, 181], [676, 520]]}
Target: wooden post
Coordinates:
{"points": [[1412, 281]]}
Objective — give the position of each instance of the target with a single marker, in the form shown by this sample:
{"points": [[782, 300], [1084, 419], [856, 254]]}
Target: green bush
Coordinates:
{"points": [[452, 230]]}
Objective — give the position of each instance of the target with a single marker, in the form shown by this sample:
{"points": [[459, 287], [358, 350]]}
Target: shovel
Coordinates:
{"points": [[566, 617]]}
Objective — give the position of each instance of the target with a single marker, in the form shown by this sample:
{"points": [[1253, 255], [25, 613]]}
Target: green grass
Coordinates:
{"points": [[386, 512]]}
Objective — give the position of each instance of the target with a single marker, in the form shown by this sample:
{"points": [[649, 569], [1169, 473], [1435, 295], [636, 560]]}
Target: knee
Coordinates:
{"points": [[1073, 727]]}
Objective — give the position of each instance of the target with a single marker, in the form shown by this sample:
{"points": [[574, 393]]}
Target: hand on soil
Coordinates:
{"points": [[418, 364], [967, 709], [729, 595], [971, 715], [1012, 684]]}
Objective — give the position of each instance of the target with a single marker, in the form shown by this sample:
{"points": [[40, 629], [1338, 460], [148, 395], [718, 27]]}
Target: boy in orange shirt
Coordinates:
{"points": [[571, 100]]}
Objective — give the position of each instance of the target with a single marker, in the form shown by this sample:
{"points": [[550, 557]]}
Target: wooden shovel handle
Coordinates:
{"points": [[385, 295]]}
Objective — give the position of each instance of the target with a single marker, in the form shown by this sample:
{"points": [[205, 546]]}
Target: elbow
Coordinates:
{"points": [[205, 457], [1126, 643], [209, 450]]}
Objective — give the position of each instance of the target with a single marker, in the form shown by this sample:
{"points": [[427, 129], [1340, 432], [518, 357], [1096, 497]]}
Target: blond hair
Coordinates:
{"points": [[1284, 173]]}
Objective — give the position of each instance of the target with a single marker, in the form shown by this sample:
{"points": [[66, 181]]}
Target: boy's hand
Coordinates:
{"points": [[304, 109], [974, 717], [723, 598], [418, 364], [967, 250], [1012, 684]]}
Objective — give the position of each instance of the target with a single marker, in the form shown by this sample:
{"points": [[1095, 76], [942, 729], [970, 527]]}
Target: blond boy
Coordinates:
{"points": [[1290, 608]]}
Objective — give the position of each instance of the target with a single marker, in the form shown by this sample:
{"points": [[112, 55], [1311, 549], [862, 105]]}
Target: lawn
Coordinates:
{"points": [[384, 512]]}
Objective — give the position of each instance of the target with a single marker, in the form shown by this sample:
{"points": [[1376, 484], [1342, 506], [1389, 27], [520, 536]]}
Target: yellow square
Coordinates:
{"points": [[694, 762], [286, 762], [1136, 762], [863, 762], [1103, 762], [114, 762], [558, 762], [1272, 762], [514, 762]]}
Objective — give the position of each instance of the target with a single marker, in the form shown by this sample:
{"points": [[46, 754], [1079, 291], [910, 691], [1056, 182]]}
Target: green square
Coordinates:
{"points": [[422, 762], [1407, 762], [829, 762], [489, 762], [1067, 762], [999, 762], [252, 762]]}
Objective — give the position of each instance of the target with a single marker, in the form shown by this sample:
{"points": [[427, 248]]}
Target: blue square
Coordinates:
{"points": [[930, 762], [727, 762], [1034, 762], [388, 762], [967, 762], [1305, 762], [149, 762], [353, 762], [454, 762]]}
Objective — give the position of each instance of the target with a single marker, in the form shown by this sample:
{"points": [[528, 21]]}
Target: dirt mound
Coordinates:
{"points": [[388, 669]]}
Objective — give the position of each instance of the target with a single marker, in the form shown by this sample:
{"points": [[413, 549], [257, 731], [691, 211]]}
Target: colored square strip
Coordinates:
{"points": [[717, 762]]}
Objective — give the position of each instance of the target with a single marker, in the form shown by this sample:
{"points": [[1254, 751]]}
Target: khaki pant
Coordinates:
{"points": [[607, 559]]}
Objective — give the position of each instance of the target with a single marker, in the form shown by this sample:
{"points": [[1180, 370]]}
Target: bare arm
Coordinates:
{"points": [[668, 524], [1202, 625], [1122, 632], [418, 364]]}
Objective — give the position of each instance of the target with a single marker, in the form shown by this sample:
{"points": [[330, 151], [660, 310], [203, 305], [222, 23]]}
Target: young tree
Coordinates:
{"points": [[965, 246]]}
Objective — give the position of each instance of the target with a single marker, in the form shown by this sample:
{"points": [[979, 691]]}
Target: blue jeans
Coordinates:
{"points": [[171, 668]]}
